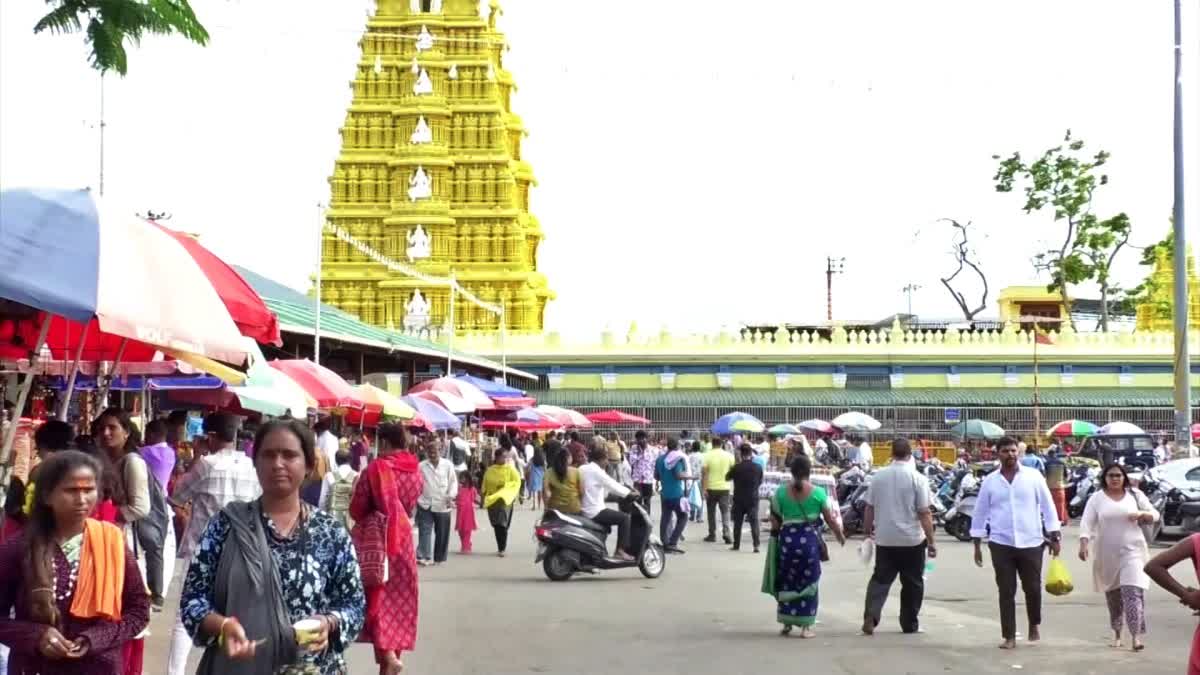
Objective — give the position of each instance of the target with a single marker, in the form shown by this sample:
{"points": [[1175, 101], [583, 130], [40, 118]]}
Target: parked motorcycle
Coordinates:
{"points": [[958, 518], [1085, 486]]}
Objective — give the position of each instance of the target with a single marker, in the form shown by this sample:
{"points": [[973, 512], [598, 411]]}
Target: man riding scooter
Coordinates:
{"points": [[596, 485]]}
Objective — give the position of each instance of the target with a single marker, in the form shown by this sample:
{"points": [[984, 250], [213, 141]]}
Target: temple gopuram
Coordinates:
{"points": [[430, 174]]}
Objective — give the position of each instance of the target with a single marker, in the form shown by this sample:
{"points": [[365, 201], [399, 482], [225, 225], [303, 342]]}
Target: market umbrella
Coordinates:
{"points": [[737, 421], [526, 419], [503, 396], [1195, 432], [1120, 429], [784, 430], [265, 390], [326, 387], [246, 307], [79, 261], [977, 429], [855, 421], [819, 426], [566, 416], [1073, 428], [458, 387], [452, 403], [431, 415], [617, 417], [393, 406], [490, 387]]}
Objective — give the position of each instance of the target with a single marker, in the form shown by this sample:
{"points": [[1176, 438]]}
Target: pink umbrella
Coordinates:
{"points": [[566, 416], [453, 404], [460, 388]]}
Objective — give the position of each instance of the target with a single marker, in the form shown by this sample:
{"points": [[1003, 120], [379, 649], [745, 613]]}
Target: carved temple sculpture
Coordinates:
{"points": [[454, 198]]}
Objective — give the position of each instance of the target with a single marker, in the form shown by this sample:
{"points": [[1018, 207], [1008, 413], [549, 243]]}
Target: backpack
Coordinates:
{"points": [[152, 528], [339, 498]]}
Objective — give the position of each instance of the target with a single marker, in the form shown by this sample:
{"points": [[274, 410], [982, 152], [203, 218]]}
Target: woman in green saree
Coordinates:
{"points": [[793, 565]]}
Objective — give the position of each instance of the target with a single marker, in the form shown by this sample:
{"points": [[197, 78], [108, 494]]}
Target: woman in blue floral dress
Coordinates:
{"points": [[263, 565]]}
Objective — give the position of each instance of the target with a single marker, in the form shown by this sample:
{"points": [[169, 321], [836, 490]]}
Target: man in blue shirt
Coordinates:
{"points": [[1030, 459], [671, 470]]}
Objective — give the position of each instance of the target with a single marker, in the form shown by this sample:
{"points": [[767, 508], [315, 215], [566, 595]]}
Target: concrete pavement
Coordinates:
{"points": [[481, 614]]}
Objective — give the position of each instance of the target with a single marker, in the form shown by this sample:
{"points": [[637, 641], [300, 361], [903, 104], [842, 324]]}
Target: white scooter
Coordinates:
{"points": [[958, 518]]}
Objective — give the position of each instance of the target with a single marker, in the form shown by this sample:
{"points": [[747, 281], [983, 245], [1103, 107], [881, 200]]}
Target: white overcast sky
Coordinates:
{"points": [[696, 163]]}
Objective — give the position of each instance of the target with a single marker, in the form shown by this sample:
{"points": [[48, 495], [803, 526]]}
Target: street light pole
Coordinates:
{"points": [[909, 290], [1183, 370], [832, 266]]}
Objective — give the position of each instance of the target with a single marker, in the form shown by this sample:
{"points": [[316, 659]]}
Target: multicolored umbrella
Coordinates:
{"points": [[856, 421], [737, 421], [819, 426], [617, 417], [567, 417], [431, 415], [503, 396], [527, 419], [245, 305], [379, 404], [326, 387], [1073, 428], [453, 404], [977, 429], [1120, 429], [81, 262], [458, 387], [784, 430]]}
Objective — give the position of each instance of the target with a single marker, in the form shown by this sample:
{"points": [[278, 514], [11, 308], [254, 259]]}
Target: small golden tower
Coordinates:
{"points": [[430, 173], [1157, 313]]}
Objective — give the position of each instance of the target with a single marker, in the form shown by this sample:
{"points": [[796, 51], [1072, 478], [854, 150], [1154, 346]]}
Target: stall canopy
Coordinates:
{"points": [[431, 415], [326, 387], [83, 263]]}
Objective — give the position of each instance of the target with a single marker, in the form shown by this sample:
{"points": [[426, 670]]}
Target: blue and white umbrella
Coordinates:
{"points": [[71, 257]]}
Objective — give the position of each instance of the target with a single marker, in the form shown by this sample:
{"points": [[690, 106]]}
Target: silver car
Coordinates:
{"points": [[1182, 513]]}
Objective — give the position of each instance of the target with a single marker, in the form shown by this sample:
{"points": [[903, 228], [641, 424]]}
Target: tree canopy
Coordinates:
{"points": [[109, 24]]}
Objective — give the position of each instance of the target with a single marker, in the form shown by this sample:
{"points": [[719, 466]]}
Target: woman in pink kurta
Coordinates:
{"points": [[390, 485], [1159, 570]]}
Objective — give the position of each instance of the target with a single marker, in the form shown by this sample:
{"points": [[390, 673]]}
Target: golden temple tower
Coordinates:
{"points": [[1157, 313], [430, 173]]}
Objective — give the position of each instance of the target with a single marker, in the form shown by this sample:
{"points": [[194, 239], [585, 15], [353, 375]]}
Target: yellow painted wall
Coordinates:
{"points": [[825, 381]]}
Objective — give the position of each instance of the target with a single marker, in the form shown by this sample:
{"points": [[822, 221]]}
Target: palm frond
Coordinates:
{"points": [[62, 19], [108, 52], [177, 16]]}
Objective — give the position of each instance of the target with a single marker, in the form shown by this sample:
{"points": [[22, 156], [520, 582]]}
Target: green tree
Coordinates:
{"points": [[1065, 178], [109, 24]]}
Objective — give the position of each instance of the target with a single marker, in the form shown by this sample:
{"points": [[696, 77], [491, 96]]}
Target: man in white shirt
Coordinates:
{"points": [[1015, 511], [898, 516], [439, 487], [327, 443], [595, 485]]}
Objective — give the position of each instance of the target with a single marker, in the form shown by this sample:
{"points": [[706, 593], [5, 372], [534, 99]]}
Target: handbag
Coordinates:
{"points": [[1143, 504], [369, 537], [498, 514], [822, 544]]}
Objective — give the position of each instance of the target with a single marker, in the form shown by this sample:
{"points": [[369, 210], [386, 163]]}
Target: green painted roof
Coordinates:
{"points": [[850, 398], [296, 315]]}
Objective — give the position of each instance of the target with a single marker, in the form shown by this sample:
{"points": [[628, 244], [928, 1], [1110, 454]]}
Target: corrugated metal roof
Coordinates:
{"points": [[680, 398]]}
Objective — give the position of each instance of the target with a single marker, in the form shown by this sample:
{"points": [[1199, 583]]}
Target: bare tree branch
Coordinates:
{"points": [[962, 254]]}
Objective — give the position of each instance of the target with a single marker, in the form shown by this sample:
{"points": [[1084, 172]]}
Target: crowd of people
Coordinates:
{"points": [[296, 544]]}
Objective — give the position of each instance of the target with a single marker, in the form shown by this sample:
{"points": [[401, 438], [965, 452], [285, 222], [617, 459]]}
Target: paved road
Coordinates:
{"points": [[485, 615]]}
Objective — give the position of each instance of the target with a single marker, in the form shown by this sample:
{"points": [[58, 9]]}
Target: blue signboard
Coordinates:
{"points": [[953, 415]]}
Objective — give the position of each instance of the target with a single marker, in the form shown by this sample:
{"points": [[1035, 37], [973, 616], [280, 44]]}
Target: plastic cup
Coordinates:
{"points": [[307, 631]]}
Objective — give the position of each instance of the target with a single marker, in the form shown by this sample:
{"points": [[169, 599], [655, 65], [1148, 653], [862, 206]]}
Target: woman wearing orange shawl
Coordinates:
{"points": [[391, 489], [77, 593]]}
